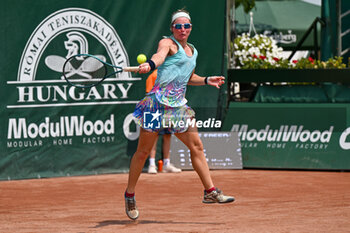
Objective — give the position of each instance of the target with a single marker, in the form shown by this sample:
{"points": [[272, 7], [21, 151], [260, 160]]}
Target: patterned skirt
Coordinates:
{"points": [[154, 116]]}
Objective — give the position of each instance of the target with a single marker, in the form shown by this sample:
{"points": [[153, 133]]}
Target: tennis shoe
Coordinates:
{"points": [[130, 208], [152, 169], [171, 169], [216, 196]]}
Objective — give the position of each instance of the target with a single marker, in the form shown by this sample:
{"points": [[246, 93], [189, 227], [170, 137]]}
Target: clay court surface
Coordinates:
{"points": [[266, 201]]}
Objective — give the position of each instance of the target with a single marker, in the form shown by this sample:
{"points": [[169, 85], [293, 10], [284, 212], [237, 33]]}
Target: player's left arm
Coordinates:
{"points": [[215, 81]]}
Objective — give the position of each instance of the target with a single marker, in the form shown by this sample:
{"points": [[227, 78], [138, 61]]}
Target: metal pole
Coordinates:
{"points": [[231, 31], [315, 41], [339, 39], [228, 32], [224, 66], [306, 34]]}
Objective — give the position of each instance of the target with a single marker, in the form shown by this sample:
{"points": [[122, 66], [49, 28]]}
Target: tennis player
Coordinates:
{"points": [[175, 60]]}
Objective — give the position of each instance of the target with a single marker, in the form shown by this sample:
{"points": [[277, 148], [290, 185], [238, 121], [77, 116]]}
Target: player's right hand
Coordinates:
{"points": [[144, 68]]}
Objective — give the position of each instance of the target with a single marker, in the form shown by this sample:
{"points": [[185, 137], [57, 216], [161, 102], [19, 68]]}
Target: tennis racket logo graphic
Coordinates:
{"points": [[76, 43], [87, 66]]}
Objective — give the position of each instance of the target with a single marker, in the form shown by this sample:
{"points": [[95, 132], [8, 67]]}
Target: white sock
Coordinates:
{"points": [[166, 162], [152, 161]]}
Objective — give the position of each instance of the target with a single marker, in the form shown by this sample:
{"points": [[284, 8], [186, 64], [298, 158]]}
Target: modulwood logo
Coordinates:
{"points": [[286, 133], [67, 126], [290, 133]]}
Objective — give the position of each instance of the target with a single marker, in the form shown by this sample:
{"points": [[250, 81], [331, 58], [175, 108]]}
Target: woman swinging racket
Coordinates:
{"points": [[175, 60]]}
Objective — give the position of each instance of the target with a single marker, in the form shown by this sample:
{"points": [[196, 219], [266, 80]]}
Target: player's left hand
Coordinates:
{"points": [[216, 81]]}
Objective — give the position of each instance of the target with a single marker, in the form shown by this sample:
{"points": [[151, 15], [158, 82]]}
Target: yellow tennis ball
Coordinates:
{"points": [[141, 58]]}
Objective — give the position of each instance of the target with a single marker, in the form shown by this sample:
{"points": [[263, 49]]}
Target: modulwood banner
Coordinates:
{"points": [[294, 136]]}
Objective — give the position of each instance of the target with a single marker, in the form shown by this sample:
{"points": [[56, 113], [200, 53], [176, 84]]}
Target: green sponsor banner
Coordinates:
{"points": [[52, 129], [293, 136]]}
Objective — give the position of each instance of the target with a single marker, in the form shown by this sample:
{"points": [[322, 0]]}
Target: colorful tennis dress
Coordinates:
{"points": [[164, 107]]}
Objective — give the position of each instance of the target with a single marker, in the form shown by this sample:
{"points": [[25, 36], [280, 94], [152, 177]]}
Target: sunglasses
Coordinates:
{"points": [[185, 25]]}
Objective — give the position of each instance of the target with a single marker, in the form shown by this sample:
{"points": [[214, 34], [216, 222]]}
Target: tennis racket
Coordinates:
{"points": [[86, 70]]}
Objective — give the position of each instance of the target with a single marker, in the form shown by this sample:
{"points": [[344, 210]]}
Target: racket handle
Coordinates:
{"points": [[131, 69]]}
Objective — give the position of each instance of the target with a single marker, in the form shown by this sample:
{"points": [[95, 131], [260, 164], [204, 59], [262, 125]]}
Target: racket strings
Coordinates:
{"points": [[85, 70], [84, 67]]}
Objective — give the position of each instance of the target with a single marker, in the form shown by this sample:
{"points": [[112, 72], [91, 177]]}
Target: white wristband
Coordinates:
{"points": [[206, 80]]}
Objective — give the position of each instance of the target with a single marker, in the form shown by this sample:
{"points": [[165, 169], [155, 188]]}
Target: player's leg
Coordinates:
{"points": [[145, 144], [192, 140], [144, 147]]}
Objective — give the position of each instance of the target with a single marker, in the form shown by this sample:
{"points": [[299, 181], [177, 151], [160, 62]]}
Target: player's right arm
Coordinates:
{"points": [[158, 58], [162, 51]]}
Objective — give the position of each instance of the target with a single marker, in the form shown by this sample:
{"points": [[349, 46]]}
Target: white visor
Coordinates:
{"points": [[180, 14]]}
